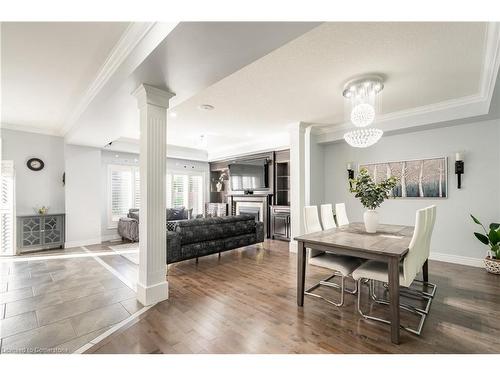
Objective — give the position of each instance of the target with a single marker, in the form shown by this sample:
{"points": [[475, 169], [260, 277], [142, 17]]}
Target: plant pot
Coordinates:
{"points": [[492, 265], [370, 218]]}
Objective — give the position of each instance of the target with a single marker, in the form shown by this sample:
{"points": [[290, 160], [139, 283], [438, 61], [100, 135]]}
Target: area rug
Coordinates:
{"points": [[129, 251]]}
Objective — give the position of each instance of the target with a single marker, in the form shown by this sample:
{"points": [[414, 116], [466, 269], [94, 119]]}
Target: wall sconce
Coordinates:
{"points": [[350, 172], [459, 168]]}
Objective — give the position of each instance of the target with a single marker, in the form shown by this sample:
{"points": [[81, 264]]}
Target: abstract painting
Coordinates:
{"points": [[425, 178]]}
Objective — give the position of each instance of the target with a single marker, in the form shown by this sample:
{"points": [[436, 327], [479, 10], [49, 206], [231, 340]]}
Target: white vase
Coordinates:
{"points": [[370, 218]]}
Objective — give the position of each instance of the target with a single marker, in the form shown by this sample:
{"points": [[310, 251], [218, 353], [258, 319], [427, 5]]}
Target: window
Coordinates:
{"points": [[124, 191], [7, 208], [183, 190]]}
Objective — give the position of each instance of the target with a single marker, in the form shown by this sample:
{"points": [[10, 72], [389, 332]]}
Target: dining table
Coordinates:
{"points": [[389, 244]]}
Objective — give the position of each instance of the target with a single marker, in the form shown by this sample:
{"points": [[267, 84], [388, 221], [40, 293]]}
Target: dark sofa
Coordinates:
{"points": [[199, 237], [194, 238]]}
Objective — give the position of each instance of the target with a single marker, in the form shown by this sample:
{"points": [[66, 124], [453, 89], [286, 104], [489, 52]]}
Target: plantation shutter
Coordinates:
{"points": [[137, 189], [180, 190], [196, 194], [122, 197], [7, 208]]}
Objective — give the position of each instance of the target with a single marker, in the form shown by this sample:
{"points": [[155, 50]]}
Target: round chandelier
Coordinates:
{"points": [[361, 104], [364, 137]]}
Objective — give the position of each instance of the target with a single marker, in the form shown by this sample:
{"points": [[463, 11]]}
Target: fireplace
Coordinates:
{"points": [[253, 211], [255, 205]]}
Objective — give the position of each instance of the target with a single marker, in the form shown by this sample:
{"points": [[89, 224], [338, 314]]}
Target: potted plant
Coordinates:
{"points": [[490, 238], [371, 196]]}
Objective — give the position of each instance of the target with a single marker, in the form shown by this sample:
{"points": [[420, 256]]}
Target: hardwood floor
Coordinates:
{"points": [[245, 302]]}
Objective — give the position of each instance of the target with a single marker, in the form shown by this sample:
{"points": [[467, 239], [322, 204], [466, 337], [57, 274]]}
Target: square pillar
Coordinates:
{"points": [[152, 286], [299, 177]]}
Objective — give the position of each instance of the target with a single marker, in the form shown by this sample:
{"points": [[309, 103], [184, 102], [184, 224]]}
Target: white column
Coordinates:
{"points": [[152, 285], [299, 178]]}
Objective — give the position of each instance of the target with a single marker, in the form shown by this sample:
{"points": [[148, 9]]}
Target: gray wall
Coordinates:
{"points": [[479, 195], [35, 189]]}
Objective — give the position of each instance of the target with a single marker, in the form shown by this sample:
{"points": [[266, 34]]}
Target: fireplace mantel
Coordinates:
{"points": [[264, 199]]}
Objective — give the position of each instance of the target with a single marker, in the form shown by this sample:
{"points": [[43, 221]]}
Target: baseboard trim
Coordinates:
{"points": [[149, 295], [110, 237], [92, 241], [457, 259]]}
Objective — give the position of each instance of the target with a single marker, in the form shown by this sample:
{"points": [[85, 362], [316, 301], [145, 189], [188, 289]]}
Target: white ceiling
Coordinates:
{"points": [[47, 66], [424, 63], [259, 76]]}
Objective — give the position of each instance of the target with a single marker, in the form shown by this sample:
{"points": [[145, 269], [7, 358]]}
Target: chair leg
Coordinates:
{"points": [[403, 292], [409, 308], [325, 282]]}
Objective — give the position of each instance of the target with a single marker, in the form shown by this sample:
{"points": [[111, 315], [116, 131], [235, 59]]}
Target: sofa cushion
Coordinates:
{"points": [[179, 213], [213, 228]]}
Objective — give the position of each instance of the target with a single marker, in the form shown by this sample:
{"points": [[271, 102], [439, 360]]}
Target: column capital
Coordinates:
{"points": [[146, 94]]}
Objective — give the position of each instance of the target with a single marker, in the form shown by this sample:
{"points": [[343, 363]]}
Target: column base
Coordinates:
{"points": [[293, 246], [149, 295]]}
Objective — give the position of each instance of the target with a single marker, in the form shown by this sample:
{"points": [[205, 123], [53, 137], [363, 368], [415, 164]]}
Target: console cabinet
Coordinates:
{"points": [[40, 232]]}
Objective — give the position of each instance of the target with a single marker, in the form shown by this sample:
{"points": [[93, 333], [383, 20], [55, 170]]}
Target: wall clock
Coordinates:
{"points": [[35, 164]]}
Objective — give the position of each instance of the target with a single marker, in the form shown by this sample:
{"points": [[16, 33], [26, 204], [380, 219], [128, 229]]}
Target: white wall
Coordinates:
{"points": [[36, 189], [83, 195], [480, 193]]}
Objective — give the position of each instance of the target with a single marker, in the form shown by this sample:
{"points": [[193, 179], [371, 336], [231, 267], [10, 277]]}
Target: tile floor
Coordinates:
{"points": [[53, 304]]}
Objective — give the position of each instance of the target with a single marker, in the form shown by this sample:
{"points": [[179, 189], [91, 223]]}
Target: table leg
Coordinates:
{"points": [[394, 298], [425, 271], [301, 272]]}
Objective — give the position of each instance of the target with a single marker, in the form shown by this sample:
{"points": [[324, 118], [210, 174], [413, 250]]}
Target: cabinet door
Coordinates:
{"points": [[52, 230], [280, 225], [31, 231]]}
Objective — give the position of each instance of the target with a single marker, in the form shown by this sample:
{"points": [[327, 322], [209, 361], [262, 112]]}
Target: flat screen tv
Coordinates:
{"points": [[248, 175]]}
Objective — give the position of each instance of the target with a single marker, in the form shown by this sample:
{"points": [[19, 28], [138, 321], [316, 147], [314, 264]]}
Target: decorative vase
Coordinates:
{"points": [[370, 218], [492, 265], [218, 186]]}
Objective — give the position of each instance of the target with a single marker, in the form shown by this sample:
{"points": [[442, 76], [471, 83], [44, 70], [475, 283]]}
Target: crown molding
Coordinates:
{"points": [[131, 37], [30, 129], [468, 106]]}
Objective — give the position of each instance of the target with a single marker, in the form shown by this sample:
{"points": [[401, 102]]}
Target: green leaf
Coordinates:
{"points": [[494, 237], [475, 220], [494, 226], [482, 238]]}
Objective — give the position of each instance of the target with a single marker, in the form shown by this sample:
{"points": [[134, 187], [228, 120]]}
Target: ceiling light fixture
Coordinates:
{"points": [[361, 96], [206, 107]]}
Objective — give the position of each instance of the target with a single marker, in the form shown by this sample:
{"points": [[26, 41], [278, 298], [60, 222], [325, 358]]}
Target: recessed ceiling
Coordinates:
{"points": [[423, 63], [47, 66]]}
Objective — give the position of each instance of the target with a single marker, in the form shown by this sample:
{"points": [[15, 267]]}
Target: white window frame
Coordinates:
{"points": [[204, 187], [113, 224]]}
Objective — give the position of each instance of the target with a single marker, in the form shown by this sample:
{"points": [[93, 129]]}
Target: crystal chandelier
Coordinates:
{"points": [[361, 104], [363, 137]]}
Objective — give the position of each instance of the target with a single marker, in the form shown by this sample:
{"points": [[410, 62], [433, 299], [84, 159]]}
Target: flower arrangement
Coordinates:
{"points": [[42, 210], [371, 194]]}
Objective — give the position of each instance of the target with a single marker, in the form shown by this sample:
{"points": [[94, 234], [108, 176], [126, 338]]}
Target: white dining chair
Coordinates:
{"points": [[418, 253], [327, 219], [341, 265], [341, 214]]}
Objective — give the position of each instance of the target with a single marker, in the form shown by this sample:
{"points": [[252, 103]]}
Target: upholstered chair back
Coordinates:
{"points": [[327, 219], [341, 214], [420, 243], [312, 224]]}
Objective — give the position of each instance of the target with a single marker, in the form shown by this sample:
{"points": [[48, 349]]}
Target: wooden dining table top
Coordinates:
{"points": [[389, 240]]}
